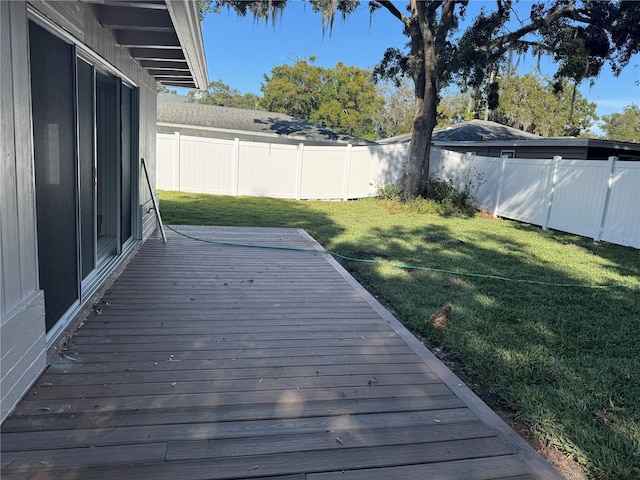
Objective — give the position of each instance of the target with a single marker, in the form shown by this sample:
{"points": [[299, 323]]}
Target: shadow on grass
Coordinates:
{"points": [[563, 358]]}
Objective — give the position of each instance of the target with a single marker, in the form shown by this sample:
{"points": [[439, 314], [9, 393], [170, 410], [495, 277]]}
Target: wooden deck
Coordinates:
{"points": [[218, 362]]}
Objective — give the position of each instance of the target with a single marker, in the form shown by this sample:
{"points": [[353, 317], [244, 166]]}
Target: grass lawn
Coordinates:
{"points": [[565, 360]]}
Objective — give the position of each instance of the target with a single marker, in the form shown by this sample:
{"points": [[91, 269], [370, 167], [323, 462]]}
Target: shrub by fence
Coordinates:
{"points": [[597, 199]]}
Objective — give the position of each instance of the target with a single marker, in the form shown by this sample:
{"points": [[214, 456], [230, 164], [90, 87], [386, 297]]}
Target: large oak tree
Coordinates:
{"points": [[581, 35]]}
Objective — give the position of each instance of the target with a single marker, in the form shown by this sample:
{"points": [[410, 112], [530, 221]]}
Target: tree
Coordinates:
{"points": [[221, 94], [342, 98], [293, 89], [582, 35], [456, 107], [625, 126], [163, 89], [396, 115], [539, 106]]}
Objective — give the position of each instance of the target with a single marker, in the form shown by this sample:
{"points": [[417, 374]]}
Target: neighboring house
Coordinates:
{"points": [[78, 105], [492, 139], [212, 121]]}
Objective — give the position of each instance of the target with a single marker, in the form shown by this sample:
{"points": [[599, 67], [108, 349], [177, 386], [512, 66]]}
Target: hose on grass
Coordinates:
{"points": [[396, 265]]}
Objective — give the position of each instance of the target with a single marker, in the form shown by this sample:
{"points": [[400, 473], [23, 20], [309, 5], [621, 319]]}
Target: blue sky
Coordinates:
{"points": [[240, 51]]}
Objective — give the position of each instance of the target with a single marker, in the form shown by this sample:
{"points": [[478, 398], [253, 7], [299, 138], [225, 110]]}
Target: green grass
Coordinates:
{"points": [[566, 360]]}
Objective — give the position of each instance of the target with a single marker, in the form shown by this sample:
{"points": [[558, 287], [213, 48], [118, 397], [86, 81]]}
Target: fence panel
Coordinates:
{"points": [[267, 170], [167, 177], [373, 167], [206, 165], [523, 190], [479, 174], [579, 196], [484, 176], [323, 173], [622, 219]]}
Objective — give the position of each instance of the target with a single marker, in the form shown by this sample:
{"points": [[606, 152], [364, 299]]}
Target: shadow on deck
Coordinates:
{"points": [[219, 362]]}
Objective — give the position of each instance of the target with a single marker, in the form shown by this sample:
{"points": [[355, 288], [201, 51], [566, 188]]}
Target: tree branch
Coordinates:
{"points": [[394, 11], [433, 7], [446, 21], [567, 12]]}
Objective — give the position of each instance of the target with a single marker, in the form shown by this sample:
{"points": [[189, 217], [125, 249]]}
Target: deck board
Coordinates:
{"points": [[210, 361]]}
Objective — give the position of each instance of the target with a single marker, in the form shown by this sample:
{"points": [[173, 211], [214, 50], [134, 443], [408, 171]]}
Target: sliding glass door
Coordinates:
{"points": [[54, 125], [85, 137]]}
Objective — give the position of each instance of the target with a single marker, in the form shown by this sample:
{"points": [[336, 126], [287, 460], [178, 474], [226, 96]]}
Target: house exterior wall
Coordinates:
{"points": [[22, 319], [22, 329], [570, 153]]}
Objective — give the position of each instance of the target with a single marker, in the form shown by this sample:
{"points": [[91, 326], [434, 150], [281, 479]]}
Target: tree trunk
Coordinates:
{"points": [[417, 172], [424, 120]]}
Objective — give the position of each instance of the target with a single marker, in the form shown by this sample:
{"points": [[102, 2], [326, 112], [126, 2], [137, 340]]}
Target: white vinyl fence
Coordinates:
{"points": [[597, 199], [593, 198], [228, 167]]}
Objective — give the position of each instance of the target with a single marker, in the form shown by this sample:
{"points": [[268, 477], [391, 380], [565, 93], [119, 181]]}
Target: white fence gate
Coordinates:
{"points": [[597, 199]]}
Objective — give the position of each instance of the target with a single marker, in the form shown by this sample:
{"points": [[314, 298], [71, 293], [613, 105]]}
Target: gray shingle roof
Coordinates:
{"points": [[471, 131], [480, 130], [250, 121]]}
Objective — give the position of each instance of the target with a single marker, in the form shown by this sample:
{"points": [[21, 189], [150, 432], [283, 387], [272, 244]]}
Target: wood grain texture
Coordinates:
{"points": [[210, 362]]}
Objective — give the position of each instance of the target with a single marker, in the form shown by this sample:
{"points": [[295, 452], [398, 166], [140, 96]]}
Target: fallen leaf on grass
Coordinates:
{"points": [[441, 318]]}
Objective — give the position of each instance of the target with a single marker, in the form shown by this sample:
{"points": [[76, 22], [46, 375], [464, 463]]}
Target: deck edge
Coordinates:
{"points": [[523, 450]]}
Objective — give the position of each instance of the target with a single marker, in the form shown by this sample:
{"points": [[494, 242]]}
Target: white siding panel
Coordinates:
{"points": [[622, 219], [523, 192], [323, 173], [579, 196], [267, 169], [206, 165]]}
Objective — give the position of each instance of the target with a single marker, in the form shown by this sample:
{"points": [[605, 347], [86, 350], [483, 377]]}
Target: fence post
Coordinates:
{"points": [[347, 170], [235, 167], [299, 171], [551, 189], [496, 206], [607, 195], [176, 161]]}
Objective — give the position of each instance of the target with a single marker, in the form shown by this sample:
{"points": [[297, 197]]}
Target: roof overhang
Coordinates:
{"points": [[163, 36]]}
